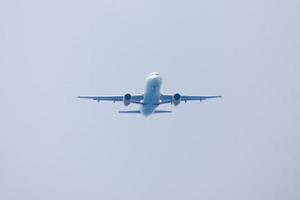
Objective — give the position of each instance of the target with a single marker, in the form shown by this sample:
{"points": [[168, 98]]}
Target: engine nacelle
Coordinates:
{"points": [[176, 99], [127, 99]]}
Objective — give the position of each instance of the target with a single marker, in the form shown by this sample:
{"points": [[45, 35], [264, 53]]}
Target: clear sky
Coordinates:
{"points": [[243, 146]]}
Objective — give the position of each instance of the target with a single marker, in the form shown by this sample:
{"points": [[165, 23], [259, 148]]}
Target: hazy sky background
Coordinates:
{"points": [[243, 146]]}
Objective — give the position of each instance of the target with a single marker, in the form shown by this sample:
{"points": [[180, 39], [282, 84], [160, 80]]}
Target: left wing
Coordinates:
{"points": [[134, 98], [169, 98]]}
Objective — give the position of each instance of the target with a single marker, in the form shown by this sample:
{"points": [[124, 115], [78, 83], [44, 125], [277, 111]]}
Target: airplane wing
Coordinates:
{"points": [[169, 98], [134, 98]]}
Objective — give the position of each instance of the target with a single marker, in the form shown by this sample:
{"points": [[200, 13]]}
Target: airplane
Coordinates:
{"points": [[151, 99]]}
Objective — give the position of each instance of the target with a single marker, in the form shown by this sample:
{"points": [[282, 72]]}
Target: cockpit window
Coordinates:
{"points": [[154, 73]]}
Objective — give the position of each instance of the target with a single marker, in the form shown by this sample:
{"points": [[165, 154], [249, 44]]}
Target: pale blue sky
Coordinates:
{"points": [[243, 146]]}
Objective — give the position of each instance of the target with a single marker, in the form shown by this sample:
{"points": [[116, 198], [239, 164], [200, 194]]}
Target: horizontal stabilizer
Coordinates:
{"points": [[139, 112], [162, 111], [131, 112]]}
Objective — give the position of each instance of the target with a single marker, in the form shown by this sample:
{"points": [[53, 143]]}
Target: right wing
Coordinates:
{"points": [[134, 98], [169, 98]]}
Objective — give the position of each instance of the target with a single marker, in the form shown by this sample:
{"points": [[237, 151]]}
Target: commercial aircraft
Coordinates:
{"points": [[151, 99]]}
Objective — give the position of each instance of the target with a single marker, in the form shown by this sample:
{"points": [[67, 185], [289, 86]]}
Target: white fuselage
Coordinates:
{"points": [[151, 94]]}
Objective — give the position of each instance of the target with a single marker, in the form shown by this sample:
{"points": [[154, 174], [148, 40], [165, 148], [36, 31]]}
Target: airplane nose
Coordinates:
{"points": [[155, 79]]}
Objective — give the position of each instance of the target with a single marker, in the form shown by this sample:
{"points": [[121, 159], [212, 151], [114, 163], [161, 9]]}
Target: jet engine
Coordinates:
{"points": [[176, 99], [127, 99]]}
